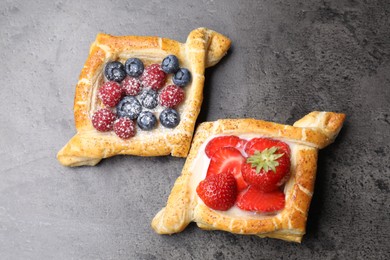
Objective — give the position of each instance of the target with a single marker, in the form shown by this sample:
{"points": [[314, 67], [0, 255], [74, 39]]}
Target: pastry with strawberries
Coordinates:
{"points": [[140, 95], [249, 176], [260, 167]]}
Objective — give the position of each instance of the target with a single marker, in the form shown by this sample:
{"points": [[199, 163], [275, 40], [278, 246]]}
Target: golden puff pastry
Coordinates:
{"points": [[204, 48], [314, 131]]}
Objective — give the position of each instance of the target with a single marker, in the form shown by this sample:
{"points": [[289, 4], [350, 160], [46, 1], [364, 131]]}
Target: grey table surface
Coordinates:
{"points": [[287, 59]]}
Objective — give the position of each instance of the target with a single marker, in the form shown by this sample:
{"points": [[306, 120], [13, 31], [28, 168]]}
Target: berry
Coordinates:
{"points": [[267, 170], [253, 199], [124, 127], [148, 98], [134, 67], [170, 64], [153, 77], [182, 77], [131, 86], [219, 191], [223, 141], [169, 118], [228, 159], [110, 93], [129, 107], [114, 71], [146, 120], [259, 144], [171, 96], [103, 120]]}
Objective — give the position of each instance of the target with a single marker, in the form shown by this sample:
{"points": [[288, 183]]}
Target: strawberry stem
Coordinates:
{"points": [[266, 159]]}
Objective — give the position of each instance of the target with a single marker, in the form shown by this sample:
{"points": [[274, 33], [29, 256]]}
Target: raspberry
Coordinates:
{"points": [[131, 86], [110, 93], [124, 128], [153, 77], [103, 120], [171, 96]]}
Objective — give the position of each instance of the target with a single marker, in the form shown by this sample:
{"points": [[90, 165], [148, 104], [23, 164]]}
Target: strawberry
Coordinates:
{"points": [[228, 159], [253, 199], [269, 168], [218, 191], [259, 144], [223, 141]]}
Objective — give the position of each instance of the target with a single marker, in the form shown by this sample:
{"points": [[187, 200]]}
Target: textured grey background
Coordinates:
{"points": [[287, 58]]}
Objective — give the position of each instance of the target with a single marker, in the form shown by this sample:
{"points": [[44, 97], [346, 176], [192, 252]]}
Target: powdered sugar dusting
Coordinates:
{"points": [[153, 77], [110, 93], [148, 98], [131, 86], [103, 120], [171, 96], [124, 128]]}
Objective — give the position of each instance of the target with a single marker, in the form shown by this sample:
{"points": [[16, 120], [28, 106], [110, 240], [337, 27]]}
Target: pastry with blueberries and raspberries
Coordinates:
{"points": [[140, 95]]}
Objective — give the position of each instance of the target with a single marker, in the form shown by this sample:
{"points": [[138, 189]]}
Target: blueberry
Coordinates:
{"points": [[134, 67], [182, 77], [146, 120], [170, 64], [148, 98], [128, 107], [169, 118], [114, 71]]}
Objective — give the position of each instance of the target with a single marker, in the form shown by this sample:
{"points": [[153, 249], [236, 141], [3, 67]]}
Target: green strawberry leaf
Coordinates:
{"points": [[266, 159]]}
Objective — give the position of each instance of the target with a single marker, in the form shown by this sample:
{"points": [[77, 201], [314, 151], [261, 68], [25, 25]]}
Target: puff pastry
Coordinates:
{"points": [[203, 48], [314, 131]]}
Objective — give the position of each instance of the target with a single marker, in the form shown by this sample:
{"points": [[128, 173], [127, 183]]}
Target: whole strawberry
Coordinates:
{"points": [[218, 191], [269, 168]]}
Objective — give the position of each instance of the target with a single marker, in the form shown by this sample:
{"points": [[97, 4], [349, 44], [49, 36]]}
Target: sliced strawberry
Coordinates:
{"points": [[228, 159], [223, 141], [218, 191], [253, 199], [259, 144]]}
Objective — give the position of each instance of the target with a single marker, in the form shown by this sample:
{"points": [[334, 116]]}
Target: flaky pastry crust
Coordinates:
{"points": [[314, 131], [204, 48]]}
